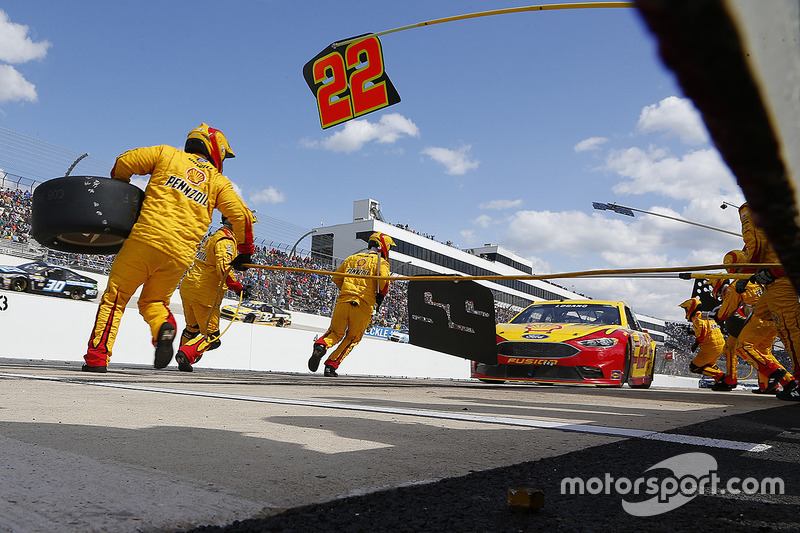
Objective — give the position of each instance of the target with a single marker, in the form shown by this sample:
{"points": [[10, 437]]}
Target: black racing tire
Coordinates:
{"points": [[19, 284], [77, 295], [249, 319], [280, 323], [84, 214], [626, 367], [650, 376]]}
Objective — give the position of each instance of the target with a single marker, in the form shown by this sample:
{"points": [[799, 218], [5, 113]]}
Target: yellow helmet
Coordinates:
{"points": [[734, 257], [210, 142], [381, 241], [690, 306]]}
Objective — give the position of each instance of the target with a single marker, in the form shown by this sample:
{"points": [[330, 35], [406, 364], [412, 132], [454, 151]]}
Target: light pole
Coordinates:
{"points": [[628, 211]]}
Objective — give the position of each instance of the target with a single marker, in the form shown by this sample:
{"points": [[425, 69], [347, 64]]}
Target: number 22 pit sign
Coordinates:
{"points": [[349, 80]]}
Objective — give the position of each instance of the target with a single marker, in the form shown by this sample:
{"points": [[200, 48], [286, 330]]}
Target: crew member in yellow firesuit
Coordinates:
{"points": [[727, 310], [708, 337], [201, 294], [752, 342], [779, 299], [184, 188], [357, 297]]}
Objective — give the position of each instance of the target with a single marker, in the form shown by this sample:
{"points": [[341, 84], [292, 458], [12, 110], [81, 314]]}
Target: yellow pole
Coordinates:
{"points": [[546, 7]]}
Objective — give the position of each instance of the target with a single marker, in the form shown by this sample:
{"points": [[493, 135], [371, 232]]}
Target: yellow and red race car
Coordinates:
{"points": [[572, 341]]}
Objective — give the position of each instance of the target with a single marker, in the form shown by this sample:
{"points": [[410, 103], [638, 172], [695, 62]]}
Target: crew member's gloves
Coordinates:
{"points": [[379, 300], [763, 276], [709, 315], [246, 291], [695, 345], [240, 260], [741, 285]]}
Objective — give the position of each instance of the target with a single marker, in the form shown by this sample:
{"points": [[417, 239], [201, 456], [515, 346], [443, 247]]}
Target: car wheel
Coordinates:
{"points": [[250, 319], [76, 295], [651, 375], [626, 368], [280, 323], [19, 284], [84, 214]]}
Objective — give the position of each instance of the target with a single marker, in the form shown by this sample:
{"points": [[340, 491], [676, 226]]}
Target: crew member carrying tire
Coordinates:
{"points": [[184, 188]]}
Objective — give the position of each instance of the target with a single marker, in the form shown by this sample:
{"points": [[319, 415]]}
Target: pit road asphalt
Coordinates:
{"points": [[138, 449]]}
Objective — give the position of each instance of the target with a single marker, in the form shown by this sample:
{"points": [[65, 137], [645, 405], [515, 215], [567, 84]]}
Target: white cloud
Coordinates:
{"points": [[695, 174], [689, 185], [15, 45], [675, 116], [500, 204], [483, 221], [269, 195], [14, 87], [592, 143], [456, 162], [357, 133]]}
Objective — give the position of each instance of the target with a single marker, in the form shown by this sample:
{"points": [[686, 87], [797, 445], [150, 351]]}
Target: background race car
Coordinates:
{"points": [[39, 277], [572, 341], [255, 312]]}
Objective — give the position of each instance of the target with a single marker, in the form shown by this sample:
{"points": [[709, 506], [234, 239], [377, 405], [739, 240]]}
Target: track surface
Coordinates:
{"points": [[144, 450]]}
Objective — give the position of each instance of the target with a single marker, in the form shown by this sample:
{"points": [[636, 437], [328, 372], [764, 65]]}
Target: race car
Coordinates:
{"points": [[572, 341], [399, 335], [255, 312], [39, 277]]}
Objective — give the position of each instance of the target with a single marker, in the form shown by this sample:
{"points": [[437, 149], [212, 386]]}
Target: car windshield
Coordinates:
{"points": [[567, 313]]}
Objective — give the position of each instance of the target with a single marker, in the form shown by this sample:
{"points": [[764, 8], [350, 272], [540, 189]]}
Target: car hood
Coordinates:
{"points": [[550, 332], [11, 270]]}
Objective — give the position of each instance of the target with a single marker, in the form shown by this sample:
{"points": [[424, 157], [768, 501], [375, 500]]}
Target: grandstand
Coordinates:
{"points": [[419, 254]]}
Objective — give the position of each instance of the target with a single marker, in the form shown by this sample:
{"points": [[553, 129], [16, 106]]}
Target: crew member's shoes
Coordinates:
{"points": [[790, 392], [183, 362], [330, 372], [216, 343], [773, 380], [724, 385], [763, 391], [98, 369], [166, 334], [316, 356]]}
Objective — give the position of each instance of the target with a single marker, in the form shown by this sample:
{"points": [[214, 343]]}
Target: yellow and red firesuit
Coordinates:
{"points": [[779, 300], [357, 297], [201, 295], [708, 337], [181, 194], [754, 341]]}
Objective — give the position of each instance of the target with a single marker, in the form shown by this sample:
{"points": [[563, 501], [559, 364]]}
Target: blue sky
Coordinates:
{"points": [[509, 126]]}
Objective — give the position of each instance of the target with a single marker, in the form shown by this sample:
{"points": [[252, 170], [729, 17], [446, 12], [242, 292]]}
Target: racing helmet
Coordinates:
{"points": [[717, 286], [210, 142], [690, 306], [735, 257], [382, 242]]}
